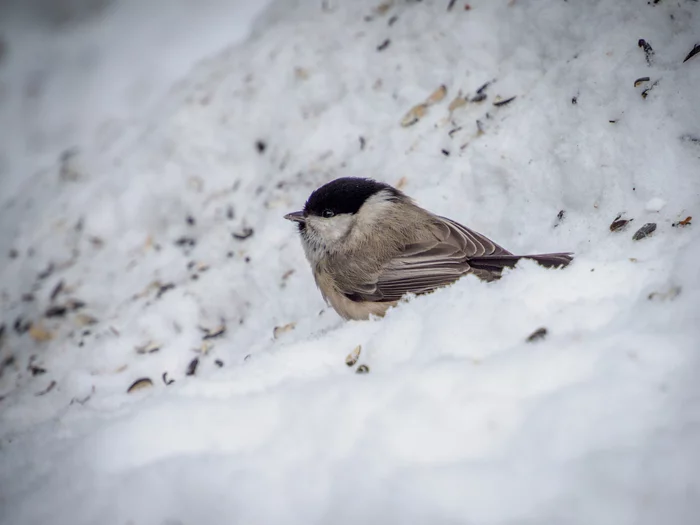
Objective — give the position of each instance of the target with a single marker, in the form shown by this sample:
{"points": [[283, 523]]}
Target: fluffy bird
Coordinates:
{"points": [[369, 244]]}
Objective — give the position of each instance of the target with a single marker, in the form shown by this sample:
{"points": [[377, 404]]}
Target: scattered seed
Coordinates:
{"points": [[363, 143], [383, 45], [48, 271], [213, 333], [453, 131], [645, 93], [21, 326], [383, 7], [39, 333], [56, 290], [451, 4], [48, 389], [392, 20], [690, 138], [640, 81], [186, 242], [167, 381], [560, 218], [457, 102], [693, 52], [190, 220], [149, 348], [260, 146], [353, 356], [28, 297], [537, 335], [219, 363], [414, 115], [13, 254], [683, 223], [192, 367], [574, 100], [445, 152], [37, 370], [437, 96], [8, 361], [479, 97], [279, 330], [479, 128], [82, 401], [619, 224], [668, 295], [500, 103], [139, 384], [648, 51], [84, 320], [362, 369], [644, 231], [243, 234], [56, 311], [164, 288], [75, 304], [484, 86]]}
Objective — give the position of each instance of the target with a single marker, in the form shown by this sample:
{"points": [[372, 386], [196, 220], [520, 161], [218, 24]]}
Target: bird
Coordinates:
{"points": [[369, 245]]}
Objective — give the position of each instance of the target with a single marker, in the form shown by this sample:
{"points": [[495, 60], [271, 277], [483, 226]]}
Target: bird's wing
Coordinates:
{"points": [[424, 266]]}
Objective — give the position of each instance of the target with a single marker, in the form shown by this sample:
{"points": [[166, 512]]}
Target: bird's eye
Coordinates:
{"points": [[327, 214]]}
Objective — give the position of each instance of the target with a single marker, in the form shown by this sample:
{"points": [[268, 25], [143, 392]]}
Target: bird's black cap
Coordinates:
{"points": [[346, 195]]}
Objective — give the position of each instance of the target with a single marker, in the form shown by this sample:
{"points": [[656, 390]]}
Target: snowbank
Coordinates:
{"points": [[147, 220]]}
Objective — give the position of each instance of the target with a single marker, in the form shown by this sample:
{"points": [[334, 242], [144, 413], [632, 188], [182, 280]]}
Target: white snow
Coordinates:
{"points": [[655, 204], [460, 419]]}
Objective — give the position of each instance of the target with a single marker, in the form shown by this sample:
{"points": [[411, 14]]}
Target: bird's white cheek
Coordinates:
{"points": [[331, 230]]}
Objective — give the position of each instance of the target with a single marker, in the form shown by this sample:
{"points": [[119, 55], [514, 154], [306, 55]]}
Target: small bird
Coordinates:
{"points": [[369, 244]]}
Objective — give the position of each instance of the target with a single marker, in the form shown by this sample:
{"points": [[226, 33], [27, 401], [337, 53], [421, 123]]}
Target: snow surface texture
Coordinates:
{"points": [[127, 164]]}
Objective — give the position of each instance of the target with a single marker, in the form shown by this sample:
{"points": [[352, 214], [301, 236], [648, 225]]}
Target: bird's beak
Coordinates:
{"points": [[295, 216]]}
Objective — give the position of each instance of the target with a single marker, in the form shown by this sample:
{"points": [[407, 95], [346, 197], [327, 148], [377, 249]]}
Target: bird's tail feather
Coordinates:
{"points": [[495, 263]]}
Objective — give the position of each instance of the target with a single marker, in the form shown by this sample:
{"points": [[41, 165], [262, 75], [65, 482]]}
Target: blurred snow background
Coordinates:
{"points": [[148, 153]]}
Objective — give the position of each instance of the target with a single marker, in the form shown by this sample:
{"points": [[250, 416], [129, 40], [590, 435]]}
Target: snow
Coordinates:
{"points": [[460, 418]]}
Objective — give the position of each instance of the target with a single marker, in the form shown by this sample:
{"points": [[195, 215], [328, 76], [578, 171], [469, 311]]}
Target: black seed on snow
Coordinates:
{"points": [[164, 288], [185, 242], [260, 146], [504, 102], [383, 45], [644, 231], [243, 234], [693, 52], [483, 87], [57, 290], [47, 272], [538, 334], [56, 311], [192, 367]]}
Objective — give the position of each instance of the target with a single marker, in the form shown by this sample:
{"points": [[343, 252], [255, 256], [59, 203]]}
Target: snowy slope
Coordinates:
{"points": [[460, 419]]}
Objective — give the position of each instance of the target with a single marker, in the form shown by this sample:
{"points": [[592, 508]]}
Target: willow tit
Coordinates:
{"points": [[369, 245]]}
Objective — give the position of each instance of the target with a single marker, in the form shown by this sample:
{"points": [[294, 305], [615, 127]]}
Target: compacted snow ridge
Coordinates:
{"points": [[165, 357]]}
